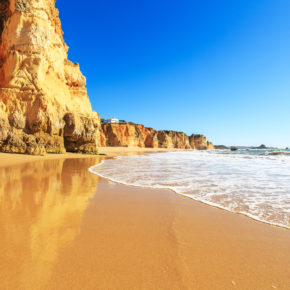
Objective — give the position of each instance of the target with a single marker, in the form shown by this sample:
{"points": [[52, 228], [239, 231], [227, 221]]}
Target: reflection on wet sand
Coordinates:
{"points": [[41, 209], [59, 229]]}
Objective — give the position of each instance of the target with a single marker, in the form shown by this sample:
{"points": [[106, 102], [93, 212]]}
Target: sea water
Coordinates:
{"points": [[255, 183]]}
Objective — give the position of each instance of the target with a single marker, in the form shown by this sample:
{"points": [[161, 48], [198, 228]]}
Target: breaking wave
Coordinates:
{"points": [[253, 183]]}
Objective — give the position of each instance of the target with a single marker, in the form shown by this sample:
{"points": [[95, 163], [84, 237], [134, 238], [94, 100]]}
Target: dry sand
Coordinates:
{"points": [[62, 227]]}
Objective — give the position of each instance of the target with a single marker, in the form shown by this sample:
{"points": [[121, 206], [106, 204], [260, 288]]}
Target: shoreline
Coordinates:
{"points": [[217, 206], [253, 218], [87, 230], [11, 159]]}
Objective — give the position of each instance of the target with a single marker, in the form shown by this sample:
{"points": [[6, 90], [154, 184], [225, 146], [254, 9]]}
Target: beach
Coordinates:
{"points": [[65, 228]]}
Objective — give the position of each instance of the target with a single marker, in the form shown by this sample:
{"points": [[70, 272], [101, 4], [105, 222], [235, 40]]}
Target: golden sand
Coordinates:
{"points": [[7, 159], [62, 227]]}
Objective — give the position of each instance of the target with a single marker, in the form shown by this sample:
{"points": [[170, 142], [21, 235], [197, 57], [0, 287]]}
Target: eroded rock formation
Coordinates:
{"points": [[200, 142], [44, 105], [135, 135], [173, 139], [129, 135]]}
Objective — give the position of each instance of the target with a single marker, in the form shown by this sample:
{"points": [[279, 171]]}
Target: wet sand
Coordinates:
{"points": [[62, 227], [118, 151], [15, 159]]}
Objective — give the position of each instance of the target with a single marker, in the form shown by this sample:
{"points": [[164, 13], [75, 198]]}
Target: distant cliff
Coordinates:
{"points": [[44, 106], [135, 135]]}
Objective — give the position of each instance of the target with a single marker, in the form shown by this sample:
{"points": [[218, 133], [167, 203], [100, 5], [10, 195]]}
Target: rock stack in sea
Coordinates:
{"points": [[44, 106]]}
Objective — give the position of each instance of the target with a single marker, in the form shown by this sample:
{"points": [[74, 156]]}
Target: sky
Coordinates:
{"points": [[219, 68]]}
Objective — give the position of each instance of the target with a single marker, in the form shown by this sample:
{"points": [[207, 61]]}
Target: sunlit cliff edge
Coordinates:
{"points": [[44, 106], [136, 135]]}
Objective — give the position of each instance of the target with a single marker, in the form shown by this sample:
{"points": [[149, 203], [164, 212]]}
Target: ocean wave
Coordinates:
{"points": [[256, 186]]}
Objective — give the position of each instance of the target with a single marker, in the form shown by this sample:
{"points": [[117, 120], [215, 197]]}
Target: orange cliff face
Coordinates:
{"points": [[136, 135], [128, 135], [173, 139], [200, 142], [44, 106]]}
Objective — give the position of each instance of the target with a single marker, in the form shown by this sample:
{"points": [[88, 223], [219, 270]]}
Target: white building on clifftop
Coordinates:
{"points": [[111, 121]]}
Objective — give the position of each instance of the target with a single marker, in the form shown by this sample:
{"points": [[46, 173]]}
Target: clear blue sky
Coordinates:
{"points": [[220, 68]]}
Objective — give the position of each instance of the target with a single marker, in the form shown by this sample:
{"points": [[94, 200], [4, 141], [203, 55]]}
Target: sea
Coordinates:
{"points": [[252, 182]]}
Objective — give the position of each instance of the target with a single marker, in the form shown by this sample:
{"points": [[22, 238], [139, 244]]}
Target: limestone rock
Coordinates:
{"points": [[81, 133], [164, 140], [173, 139], [136, 135], [126, 135], [39, 86], [151, 140], [199, 142], [210, 146]]}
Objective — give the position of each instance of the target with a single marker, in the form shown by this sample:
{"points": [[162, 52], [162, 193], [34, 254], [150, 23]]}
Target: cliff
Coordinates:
{"points": [[200, 142], [44, 106], [173, 139], [135, 135], [129, 135]]}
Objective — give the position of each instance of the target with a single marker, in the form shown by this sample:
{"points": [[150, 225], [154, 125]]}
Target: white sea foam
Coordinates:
{"points": [[257, 185]]}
